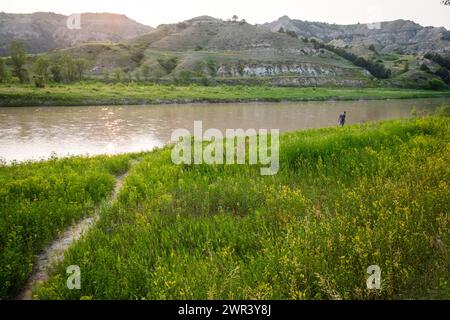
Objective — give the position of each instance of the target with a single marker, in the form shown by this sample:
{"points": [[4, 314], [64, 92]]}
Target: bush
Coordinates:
{"points": [[443, 74], [169, 64], [372, 48], [2, 71], [424, 68], [291, 33], [436, 84], [39, 81], [184, 77]]}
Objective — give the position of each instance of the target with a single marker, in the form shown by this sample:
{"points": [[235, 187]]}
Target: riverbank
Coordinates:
{"points": [[87, 94], [344, 199]]}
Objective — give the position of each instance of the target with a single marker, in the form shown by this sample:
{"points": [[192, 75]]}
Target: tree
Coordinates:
{"points": [[436, 84], [241, 68], [291, 33], [80, 66], [424, 68], [235, 18], [56, 71], [41, 68], [440, 60], [137, 75], [2, 71], [169, 64], [69, 69], [39, 81], [212, 68], [145, 72], [41, 71], [443, 74], [406, 67], [65, 69], [375, 68], [184, 77], [18, 59], [127, 76], [117, 74]]}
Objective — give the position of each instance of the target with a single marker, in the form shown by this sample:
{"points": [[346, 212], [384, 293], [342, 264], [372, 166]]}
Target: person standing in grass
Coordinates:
{"points": [[342, 118]]}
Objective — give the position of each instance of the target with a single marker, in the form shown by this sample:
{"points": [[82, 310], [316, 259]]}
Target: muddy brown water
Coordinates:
{"points": [[32, 133]]}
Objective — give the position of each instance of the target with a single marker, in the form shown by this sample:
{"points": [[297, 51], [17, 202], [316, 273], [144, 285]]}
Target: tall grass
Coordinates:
{"points": [[345, 199], [39, 200]]}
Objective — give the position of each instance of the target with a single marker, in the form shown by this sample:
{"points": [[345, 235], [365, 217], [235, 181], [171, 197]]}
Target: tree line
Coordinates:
{"points": [[40, 69], [375, 68], [444, 67]]}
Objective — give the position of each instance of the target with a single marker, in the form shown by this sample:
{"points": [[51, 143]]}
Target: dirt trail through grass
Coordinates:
{"points": [[54, 253]]}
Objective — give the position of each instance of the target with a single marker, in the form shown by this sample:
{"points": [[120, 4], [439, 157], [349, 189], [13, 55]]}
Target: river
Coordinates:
{"points": [[34, 133]]}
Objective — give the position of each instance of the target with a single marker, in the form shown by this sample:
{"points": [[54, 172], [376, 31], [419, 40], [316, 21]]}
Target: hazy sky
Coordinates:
{"points": [[425, 12]]}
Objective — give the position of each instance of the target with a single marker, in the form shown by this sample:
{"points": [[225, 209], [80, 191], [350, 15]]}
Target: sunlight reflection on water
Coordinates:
{"points": [[34, 133]]}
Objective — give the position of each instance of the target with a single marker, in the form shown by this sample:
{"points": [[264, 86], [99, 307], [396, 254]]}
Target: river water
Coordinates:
{"points": [[33, 133]]}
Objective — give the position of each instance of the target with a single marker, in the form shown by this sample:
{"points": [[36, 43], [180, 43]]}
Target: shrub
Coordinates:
{"points": [[424, 68], [436, 84], [169, 63], [443, 74], [2, 71], [372, 48]]}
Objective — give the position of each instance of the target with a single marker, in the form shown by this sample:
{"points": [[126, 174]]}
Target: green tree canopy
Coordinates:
{"points": [[41, 68], [18, 59], [2, 71]]}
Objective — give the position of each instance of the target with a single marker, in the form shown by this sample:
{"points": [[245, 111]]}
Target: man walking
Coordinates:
{"points": [[342, 118]]}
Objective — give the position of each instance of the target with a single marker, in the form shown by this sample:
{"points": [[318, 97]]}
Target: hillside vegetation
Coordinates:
{"points": [[210, 51], [345, 199]]}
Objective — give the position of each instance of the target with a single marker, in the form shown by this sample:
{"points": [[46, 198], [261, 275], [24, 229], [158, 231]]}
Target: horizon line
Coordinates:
{"points": [[222, 19]]}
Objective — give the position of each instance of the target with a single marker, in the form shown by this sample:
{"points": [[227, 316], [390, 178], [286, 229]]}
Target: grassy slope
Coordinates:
{"points": [[103, 94], [344, 199], [39, 200]]}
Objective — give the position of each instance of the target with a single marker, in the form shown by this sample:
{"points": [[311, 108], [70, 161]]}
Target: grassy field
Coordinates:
{"points": [[121, 94], [39, 200], [344, 199]]}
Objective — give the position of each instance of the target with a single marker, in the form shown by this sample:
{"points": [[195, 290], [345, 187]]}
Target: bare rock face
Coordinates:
{"points": [[44, 31], [388, 37]]}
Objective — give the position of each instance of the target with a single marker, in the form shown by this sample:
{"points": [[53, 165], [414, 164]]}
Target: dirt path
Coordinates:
{"points": [[54, 253]]}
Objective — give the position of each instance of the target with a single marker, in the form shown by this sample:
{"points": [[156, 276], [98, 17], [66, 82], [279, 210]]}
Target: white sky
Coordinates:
{"points": [[425, 12]]}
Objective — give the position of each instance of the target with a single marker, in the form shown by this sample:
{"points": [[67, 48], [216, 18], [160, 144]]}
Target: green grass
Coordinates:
{"points": [[345, 199], [120, 94], [39, 200]]}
